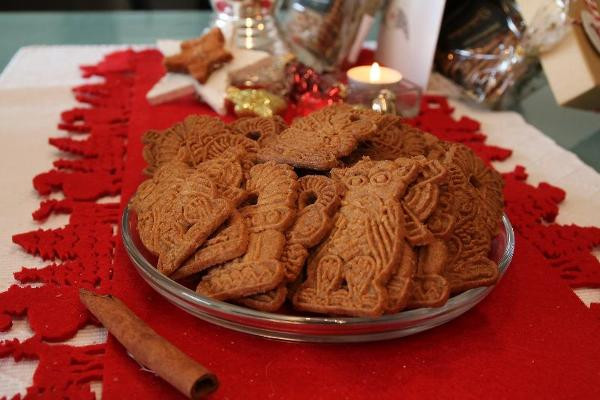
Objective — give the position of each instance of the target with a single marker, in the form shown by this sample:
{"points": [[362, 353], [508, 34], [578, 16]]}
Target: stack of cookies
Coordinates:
{"points": [[345, 212]]}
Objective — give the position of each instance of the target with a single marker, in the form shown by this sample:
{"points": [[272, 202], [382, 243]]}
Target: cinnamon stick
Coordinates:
{"points": [[148, 348]]}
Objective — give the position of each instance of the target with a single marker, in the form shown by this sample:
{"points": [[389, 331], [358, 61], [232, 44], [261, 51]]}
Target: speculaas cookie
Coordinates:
{"points": [[200, 57], [227, 243], [227, 172], [477, 193], [161, 147], [176, 214], [393, 139], [485, 181], [349, 271], [199, 131], [320, 139], [400, 284], [273, 188], [199, 138], [269, 301], [421, 200], [318, 200], [260, 129], [429, 287]]}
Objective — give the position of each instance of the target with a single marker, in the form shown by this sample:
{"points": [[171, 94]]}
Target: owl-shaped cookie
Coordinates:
{"points": [[349, 271]]}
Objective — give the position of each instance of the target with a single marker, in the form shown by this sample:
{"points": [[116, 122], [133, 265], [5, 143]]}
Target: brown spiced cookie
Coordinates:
{"points": [[227, 172], [320, 139], [349, 272], [199, 138], [227, 243], [318, 200], [161, 147], [269, 213], [429, 287], [421, 200], [392, 139], [485, 181], [478, 202], [177, 211], [201, 56], [400, 284], [207, 138], [269, 301], [260, 129]]}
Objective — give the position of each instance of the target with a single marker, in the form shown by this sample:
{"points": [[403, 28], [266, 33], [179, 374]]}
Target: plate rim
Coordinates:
{"points": [[144, 266]]}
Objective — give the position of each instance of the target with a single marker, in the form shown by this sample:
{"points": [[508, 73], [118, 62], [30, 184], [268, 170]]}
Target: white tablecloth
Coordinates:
{"points": [[35, 88]]}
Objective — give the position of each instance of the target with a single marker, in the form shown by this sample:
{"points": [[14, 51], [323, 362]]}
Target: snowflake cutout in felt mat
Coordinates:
{"points": [[82, 252]]}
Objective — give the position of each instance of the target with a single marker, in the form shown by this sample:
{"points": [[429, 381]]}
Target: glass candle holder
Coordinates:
{"points": [[250, 24], [370, 85]]}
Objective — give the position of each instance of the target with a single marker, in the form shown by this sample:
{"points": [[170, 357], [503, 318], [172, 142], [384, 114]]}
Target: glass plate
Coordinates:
{"points": [[305, 328]]}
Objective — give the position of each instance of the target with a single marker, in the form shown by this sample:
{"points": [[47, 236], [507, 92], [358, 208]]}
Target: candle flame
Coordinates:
{"points": [[375, 73]]}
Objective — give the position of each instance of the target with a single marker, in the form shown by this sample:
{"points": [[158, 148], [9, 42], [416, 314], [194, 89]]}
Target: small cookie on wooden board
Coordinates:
{"points": [[320, 139], [200, 57]]}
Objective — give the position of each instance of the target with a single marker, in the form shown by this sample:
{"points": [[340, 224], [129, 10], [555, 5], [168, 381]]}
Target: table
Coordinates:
{"points": [[578, 131], [45, 93]]}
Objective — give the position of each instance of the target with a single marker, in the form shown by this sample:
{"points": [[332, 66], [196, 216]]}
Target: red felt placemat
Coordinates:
{"points": [[530, 338]]}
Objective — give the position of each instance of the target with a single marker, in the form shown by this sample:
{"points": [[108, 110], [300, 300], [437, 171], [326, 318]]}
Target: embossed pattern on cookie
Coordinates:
{"points": [[430, 288], [274, 189], [269, 301], [350, 270], [393, 139], [228, 243], [260, 129], [227, 172], [400, 284], [161, 147], [478, 211], [320, 139], [318, 200], [178, 213], [421, 200]]}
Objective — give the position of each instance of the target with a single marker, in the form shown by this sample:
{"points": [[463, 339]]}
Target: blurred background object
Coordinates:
{"points": [[321, 33], [408, 34], [82, 5]]}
